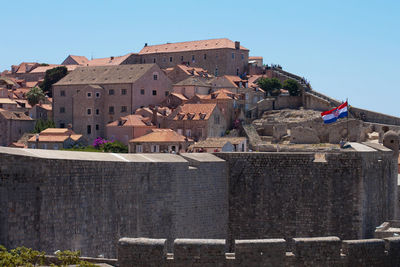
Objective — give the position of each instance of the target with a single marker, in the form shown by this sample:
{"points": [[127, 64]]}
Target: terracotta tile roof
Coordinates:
{"points": [[16, 144], [107, 61], [7, 101], [131, 121], [193, 70], [193, 81], [161, 136], [216, 142], [180, 96], [47, 107], [190, 46], [23, 103], [223, 94], [25, 67], [49, 138], [81, 60], [250, 58], [43, 69], [31, 84], [106, 74], [56, 131], [14, 115], [76, 137], [195, 111]]}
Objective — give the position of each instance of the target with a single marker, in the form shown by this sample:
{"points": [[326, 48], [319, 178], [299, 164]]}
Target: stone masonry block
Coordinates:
{"points": [[317, 251], [366, 252], [264, 252], [392, 245], [189, 249], [141, 252]]}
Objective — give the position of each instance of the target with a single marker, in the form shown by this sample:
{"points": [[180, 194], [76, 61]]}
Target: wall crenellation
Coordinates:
{"points": [[317, 251]]}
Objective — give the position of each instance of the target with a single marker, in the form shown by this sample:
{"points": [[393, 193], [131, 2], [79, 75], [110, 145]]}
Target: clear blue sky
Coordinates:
{"points": [[345, 48]]}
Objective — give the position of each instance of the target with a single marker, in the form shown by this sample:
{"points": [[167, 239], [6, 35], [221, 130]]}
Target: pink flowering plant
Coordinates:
{"points": [[99, 142]]}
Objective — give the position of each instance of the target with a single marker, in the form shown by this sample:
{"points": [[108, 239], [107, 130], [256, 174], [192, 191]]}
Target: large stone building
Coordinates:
{"points": [[217, 56], [91, 97], [13, 125]]}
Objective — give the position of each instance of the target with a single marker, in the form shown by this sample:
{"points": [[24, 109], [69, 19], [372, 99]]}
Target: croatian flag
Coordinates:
{"points": [[334, 114]]}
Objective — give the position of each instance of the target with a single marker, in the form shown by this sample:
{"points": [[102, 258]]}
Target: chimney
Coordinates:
{"points": [[112, 58], [237, 45], [145, 44], [154, 118]]}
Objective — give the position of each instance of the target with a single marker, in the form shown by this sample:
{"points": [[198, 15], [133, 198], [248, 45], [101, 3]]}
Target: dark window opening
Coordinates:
{"points": [[154, 92], [89, 129]]}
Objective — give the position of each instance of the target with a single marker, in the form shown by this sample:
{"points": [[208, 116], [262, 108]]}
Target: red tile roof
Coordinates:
{"points": [[132, 121], [195, 111], [107, 61], [161, 136], [81, 60], [190, 46]]}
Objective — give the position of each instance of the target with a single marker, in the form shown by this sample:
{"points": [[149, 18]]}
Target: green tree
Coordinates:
{"points": [[51, 77], [43, 125], [292, 86], [115, 147], [35, 95], [270, 86]]}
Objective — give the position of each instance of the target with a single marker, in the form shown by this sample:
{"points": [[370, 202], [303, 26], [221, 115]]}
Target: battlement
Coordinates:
{"points": [[317, 251]]}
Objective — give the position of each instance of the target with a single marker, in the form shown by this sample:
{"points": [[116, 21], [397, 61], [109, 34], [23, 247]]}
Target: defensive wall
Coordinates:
{"points": [[318, 251], [84, 201], [52, 200]]}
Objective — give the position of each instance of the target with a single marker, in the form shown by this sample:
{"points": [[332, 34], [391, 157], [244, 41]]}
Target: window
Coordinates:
{"points": [[163, 59], [192, 58], [154, 60], [233, 55], [45, 146], [242, 56], [139, 149], [62, 109], [144, 60], [123, 91], [55, 147], [205, 56], [181, 58], [155, 77], [89, 129], [97, 127], [216, 55], [111, 110], [216, 119], [155, 148], [111, 92], [97, 94], [89, 111], [142, 91], [154, 92], [237, 72], [188, 132], [62, 125], [216, 72], [166, 93], [179, 131], [97, 111], [89, 94], [124, 108], [170, 59], [62, 93]]}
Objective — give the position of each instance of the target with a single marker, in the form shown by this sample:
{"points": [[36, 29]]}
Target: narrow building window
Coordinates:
{"points": [[155, 77], [111, 92], [97, 94], [124, 108], [89, 129], [205, 56], [89, 94], [111, 110], [154, 60], [192, 58], [142, 91], [97, 111], [170, 59], [62, 109], [89, 111], [62, 93], [233, 55], [97, 127], [123, 91], [181, 58], [154, 92]]}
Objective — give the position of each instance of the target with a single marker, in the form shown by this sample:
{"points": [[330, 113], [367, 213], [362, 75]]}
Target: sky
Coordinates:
{"points": [[346, 49]]}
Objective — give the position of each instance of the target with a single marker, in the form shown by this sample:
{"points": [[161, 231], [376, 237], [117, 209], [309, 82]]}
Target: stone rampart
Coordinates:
{"points": [[318, 251], [293, 194], [52, 200]]}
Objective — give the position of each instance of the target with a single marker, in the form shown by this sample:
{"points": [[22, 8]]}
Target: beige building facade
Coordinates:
{"points": [[91, 97]]}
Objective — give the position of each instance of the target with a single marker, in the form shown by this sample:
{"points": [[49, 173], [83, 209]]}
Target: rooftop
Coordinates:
{"points": [[160, 136], [132, 120], [14, 115], [195, 111], [105, 74], [190, 46]]}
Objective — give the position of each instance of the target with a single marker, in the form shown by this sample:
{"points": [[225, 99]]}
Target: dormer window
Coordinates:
{"points": [[181, 116], [202, 116], [190, 116]]}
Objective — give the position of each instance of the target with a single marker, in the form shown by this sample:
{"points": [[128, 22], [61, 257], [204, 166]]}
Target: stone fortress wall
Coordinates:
{"points": [[318, 251], [84, 201]]}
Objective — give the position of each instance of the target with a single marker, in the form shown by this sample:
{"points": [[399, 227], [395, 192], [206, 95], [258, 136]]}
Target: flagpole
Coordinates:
{"points": [[348, 111]]}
